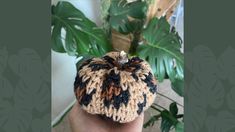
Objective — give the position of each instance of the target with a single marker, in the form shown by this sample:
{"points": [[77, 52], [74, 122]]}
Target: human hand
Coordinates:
{"points": [[81, 121]]}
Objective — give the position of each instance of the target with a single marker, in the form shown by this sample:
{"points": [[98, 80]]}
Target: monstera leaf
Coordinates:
{"points": [[162, 50], [178, 86], [82, 35], [169, 119], [179, 127], [127, 17]]}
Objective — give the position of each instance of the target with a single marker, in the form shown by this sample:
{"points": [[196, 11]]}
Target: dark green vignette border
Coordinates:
{"points": [[25, 66], [209, 66]]}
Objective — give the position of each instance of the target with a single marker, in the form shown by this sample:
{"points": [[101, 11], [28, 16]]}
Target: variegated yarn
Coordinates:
{"points": [[118, 90]]}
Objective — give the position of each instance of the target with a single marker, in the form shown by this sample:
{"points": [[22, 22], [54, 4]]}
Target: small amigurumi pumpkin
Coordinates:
{"points": [[115, 86]]}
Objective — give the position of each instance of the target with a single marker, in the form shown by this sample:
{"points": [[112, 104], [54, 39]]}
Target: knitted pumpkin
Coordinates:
{"points": [[115, 86]]}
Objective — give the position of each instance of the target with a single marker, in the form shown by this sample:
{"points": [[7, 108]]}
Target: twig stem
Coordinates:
{"points": [[170, 99]]}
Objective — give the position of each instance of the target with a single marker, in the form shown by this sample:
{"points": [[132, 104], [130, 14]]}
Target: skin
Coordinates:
{"points": [[81, 121]]}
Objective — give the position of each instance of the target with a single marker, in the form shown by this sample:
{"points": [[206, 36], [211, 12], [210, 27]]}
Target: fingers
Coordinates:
{"points": [[81, 121], [134, 126], [74, 120]]}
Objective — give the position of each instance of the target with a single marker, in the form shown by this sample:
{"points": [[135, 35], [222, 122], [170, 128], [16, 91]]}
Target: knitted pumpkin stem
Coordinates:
{"points": [[122, 58]]}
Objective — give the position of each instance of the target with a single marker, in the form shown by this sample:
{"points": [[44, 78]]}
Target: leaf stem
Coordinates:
{"points": [[156, 108], [135, 42], [180, 116], [159, 106], [170, 99], [151, 120]]}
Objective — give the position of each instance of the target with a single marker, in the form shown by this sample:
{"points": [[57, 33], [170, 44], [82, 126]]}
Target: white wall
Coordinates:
{"points": [[63, 66]]}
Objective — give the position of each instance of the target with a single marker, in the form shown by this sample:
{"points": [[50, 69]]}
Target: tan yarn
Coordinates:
{"points": [[105, 87]]}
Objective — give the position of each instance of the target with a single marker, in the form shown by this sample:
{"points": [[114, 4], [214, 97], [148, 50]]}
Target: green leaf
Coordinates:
{"points": [[178, 86], [152, 120], [56, 39], [105, 5], [162, 50], [127, 17], [169, 118], [82, 36], [174, 109], [179, 127], [168, 121]]}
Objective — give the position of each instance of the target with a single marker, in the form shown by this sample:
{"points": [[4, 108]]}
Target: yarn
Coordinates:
{"points": [[120, 91]]}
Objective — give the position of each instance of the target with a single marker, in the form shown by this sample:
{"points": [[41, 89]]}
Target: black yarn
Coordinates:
{"points": [[96, 67], [141, 105], [86, 99], [85, 63], [109, 60], [134, 76], [149, 81], [123, 97], [78, 82], [113, 80]]}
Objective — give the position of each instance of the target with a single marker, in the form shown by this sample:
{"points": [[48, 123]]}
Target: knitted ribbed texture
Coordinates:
{"points": [[120, 91]]}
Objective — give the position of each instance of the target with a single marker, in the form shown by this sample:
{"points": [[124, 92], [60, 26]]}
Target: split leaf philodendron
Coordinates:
{"points": [[162, 49], [81, 36], [127, 17]]}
